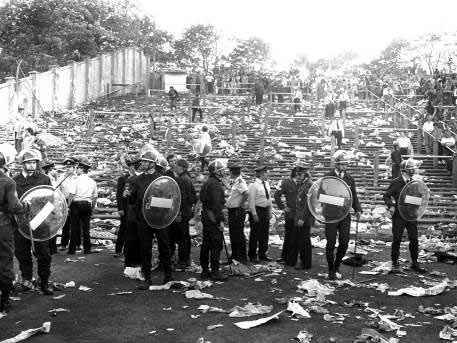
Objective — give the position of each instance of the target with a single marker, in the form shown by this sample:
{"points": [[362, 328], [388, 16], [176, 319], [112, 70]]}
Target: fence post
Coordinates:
{"points": [[376, 169], [87, 92], [454, 170], [356, 137], [124, 69], [147, 72], [134, 70], [54, 91], [435, 153], [100, 74], [114, 59], [11, 81], [72, 83], [33, 75], [233, 134], [265, 128], [419, 137], [189, 104]]}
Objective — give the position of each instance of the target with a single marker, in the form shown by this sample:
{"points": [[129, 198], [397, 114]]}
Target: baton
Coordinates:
{"points": [[355, 245]]}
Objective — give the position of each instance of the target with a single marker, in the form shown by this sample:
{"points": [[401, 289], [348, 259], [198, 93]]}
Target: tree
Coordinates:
{"points": [[197, 48], [45, 32], [391, 60], [249, 55]]}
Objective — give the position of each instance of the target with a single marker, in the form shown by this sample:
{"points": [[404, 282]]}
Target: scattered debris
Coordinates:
{"points": [[253, 323], [250, 310]]}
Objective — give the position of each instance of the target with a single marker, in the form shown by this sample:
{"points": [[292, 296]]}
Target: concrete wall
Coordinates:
{"points": [[74, 84]]}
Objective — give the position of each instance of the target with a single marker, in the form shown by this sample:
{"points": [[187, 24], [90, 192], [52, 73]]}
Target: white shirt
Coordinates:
{"points": [[84, 188], [257, 196], [336, 125], [403, 142], [428, 126], [448, 141], [239, 188], [66, 185]]}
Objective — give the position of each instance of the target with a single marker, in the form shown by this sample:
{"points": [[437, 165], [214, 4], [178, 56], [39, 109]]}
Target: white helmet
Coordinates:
{"points": [[29, 155]]}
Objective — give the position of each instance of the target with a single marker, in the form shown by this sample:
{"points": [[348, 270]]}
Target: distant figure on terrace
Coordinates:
{"points": [[337, 130], [173, 94], [448, 143], [404, 144], [396, 159], [428, 128]]}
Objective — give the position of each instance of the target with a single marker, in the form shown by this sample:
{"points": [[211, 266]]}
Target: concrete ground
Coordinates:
{"points": [[98, 317]]}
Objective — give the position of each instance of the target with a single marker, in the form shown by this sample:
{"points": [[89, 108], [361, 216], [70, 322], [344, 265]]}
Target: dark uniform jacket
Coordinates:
{"points": [[9, 202], [131, 214], [188, 195], [394, 190], [350, 182], [212, 198], [170, 173], [395, 156], [122, 203], [23, 184], [138, 187], [303, 212], [290, 190]]}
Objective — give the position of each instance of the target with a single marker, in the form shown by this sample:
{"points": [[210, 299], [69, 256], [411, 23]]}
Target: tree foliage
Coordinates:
{"points": [[249, 55]]}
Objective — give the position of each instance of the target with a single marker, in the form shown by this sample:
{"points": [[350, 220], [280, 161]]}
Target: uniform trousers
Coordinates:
{"points": [[288, 236], [23, 253], [179, 235], [342, 229], [6, 253], [132, 245], [120, 241], [212, 244], [398, 227], [146, 235], [236, 218], [300, 246], [80, 213], [258, 236]]}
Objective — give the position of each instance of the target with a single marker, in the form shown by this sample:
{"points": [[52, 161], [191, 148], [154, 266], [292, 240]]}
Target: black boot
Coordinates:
{"points": [[45, 288], [167, 278], [5, 304]]}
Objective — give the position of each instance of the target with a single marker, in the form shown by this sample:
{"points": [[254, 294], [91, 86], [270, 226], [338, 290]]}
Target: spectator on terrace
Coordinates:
{"points": [[395, 157], [428, 128], [29, 139], [448, 143], [173, 94], [437, 136], [404, 144]]}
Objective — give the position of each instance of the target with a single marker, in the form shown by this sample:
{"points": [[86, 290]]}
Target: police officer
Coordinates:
{"points": [[259, 204], [48, 168], [146, 234], [27, 179], [122, 206], [407, 168], [82, 202], [236, 203], [341, 228], [9, 204], [132, 240], [179, 230], [65, 181], [289, 188], [212, 198], [303, 219]]}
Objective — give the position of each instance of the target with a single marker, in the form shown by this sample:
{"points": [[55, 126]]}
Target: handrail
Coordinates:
{"points": [[398, 111]]}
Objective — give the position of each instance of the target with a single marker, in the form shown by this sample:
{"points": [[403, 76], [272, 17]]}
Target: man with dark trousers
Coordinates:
{"points": [[259, 205], [300, 236], [289, 188], [146, 234], [179, 230], [9, 205], [236, 205], [65, 181], [27, 179], [122, 207], [341, 228], [212, 198], [407, 168], [82, 202], [132, 240]]}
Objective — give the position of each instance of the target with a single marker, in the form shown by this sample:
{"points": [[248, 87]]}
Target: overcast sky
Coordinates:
{"points": [[317, 28]]}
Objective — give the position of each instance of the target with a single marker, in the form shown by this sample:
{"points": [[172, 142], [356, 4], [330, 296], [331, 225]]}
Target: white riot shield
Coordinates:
{"points": [[413, 200], [329, 199], [46, 215], [161, 202], [201, 147]]}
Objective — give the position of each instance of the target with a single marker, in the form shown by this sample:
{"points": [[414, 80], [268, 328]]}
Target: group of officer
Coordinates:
{"points": [[14, 220]]}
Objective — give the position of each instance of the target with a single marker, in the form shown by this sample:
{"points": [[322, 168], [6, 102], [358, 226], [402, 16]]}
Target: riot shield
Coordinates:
{"points": [[201, 147], [161, 202], [413, 200], [46, 214], [329, 199]]}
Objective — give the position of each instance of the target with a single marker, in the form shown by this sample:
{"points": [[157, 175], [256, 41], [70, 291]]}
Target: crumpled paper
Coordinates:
{"points": [[297, 310], [249, 310], [315, 288], [133, 273], [303, 337], [45, 328], [420, 291], [447, 333], [253, 323], [207, 308], [197, 294], [371, 335]]}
